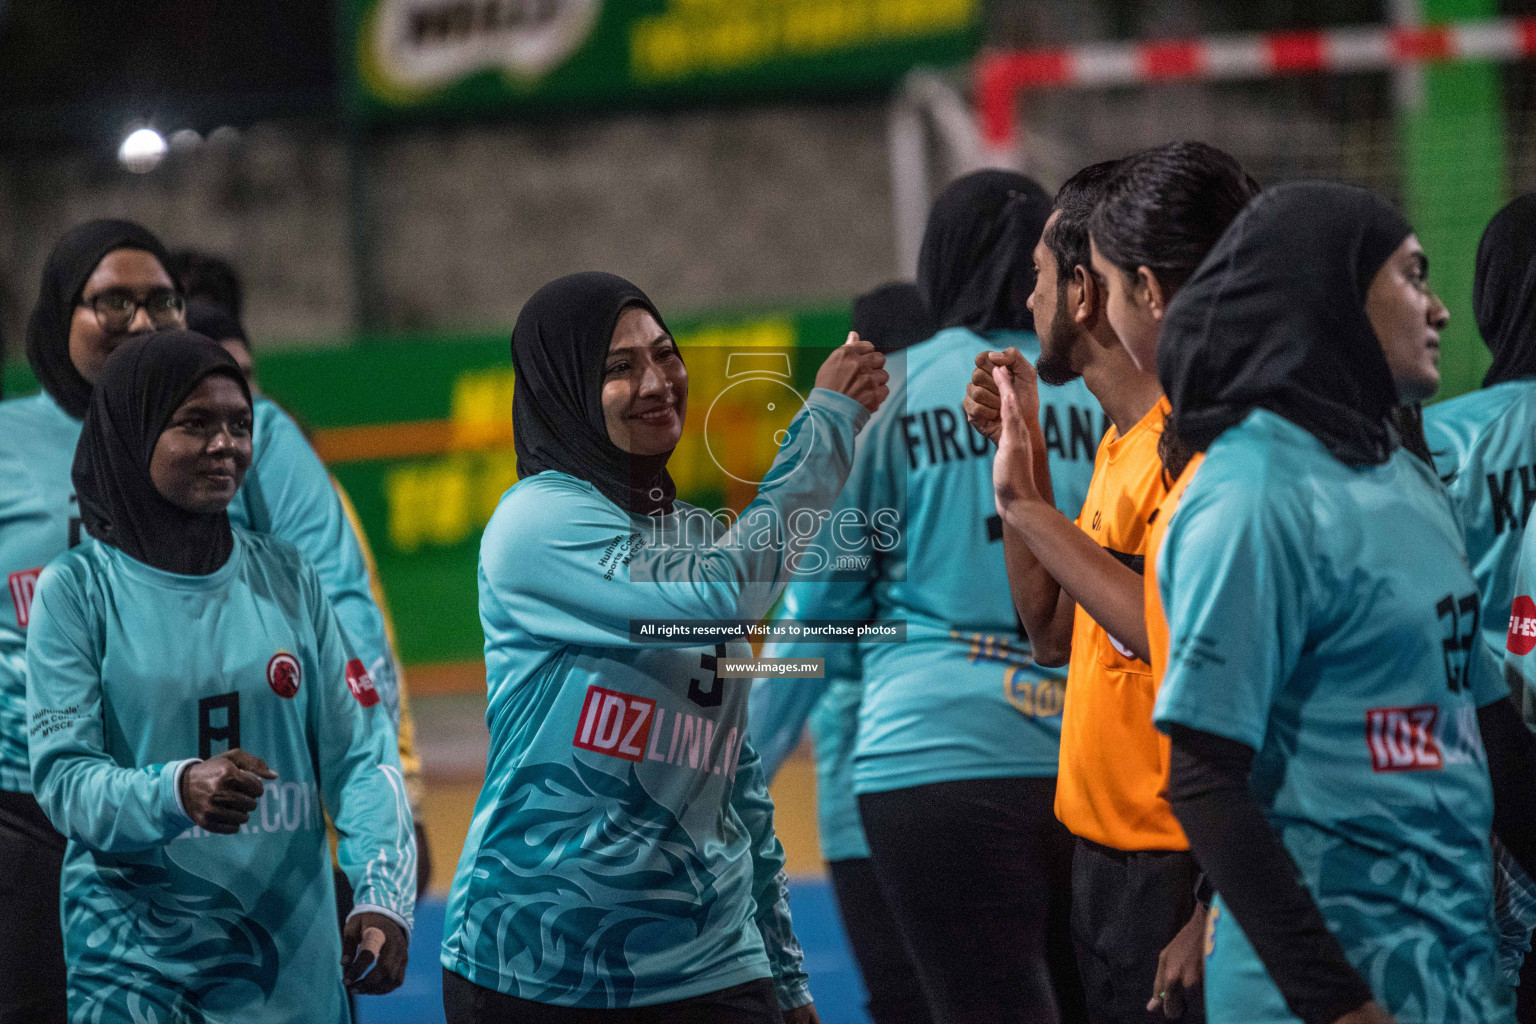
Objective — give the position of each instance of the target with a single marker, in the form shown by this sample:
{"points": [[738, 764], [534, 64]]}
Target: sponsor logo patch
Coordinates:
{"points": [[360, 684], [1403, 739], [615, 724], [1522, 626], [1120, 648], [23, 584], [283, 674]]}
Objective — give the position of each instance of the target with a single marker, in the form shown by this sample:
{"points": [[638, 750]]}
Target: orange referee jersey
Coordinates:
{"points": [[1157, 621], [1113, 761]]}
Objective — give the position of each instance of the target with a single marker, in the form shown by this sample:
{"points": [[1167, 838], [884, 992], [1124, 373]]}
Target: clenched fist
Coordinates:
{"points": [[221, 792], [855, 369], [983, 404], [373, 940]]}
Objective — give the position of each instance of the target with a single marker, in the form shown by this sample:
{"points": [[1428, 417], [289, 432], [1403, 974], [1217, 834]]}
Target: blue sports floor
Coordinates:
{"points": [[834, 980]]}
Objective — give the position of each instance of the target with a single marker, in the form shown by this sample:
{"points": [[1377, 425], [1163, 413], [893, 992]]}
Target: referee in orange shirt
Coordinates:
{"points": [[1077, 587]]}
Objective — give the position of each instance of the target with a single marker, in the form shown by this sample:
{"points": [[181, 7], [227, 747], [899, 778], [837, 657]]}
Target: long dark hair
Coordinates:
{"points": [[1174, 452], [1165, 207]]}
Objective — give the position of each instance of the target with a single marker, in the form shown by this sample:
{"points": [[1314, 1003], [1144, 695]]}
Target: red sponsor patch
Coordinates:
{"points": [[23, 584], [615, 724], [360, 684], [1403, 739], [283, 674], [1522, 626]]}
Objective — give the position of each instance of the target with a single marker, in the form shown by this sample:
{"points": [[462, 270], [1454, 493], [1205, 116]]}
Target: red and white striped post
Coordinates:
{"points": [[1001, 75]]}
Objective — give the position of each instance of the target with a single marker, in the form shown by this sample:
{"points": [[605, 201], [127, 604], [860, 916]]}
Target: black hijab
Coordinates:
{"points": [[70, 265], [1274, 318], [893, 316], [559, 348], [975, 267], [1504, 291], [141, 386]]}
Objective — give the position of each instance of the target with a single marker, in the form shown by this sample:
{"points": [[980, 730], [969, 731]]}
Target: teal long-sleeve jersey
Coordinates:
{"points": [[781, 708], [133, 672], [916, 538], [1484, 444], [1517, 893], [1326, 616], [39, 520], [622, 850], [287, 493]]}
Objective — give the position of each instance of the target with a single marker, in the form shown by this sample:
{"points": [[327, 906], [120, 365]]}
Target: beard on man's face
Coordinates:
{"points": [[1054, 366]]}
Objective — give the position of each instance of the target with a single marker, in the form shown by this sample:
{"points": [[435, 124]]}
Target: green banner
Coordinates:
{"points": [[1454, 178], [418, 429], [475, 56]]}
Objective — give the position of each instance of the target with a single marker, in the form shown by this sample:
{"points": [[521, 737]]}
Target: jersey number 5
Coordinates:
{"points": [[225, 730], [712, 697], [1458, 615]]}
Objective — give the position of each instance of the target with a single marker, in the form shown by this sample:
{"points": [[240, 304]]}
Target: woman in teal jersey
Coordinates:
{"points": [[1341, 745], [621, 863], [954, 762], [894, 317], [196, 883], [288, 492], [1484, 442], [104, 281]]}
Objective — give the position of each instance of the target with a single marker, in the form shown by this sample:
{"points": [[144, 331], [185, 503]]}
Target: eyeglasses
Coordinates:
{"points": [[116, 308]]}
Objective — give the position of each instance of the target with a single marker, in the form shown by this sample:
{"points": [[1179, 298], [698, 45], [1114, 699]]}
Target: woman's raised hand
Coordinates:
{"points": [[855, 369]]}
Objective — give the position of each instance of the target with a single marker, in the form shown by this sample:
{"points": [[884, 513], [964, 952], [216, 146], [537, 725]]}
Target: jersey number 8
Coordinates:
{"points": [[226, 731]]}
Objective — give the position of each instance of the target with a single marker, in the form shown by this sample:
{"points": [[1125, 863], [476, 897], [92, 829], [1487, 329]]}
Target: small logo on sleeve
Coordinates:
{"points": [[283, 674], [360, 684], [615, 724], [23, 584], [1403, 739], [1522, 626]]}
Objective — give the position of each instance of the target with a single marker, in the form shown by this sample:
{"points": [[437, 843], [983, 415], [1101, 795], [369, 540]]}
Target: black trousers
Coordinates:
{"points": [[464, 1002], [1126, 906], [890, 976], [977, 874], [31, 938]]}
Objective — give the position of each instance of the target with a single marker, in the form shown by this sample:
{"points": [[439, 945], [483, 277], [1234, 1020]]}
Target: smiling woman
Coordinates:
{"points": [[150, 654], [201, 457], [103, 286], [653, 879], [645, 385], [179, 398]]}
